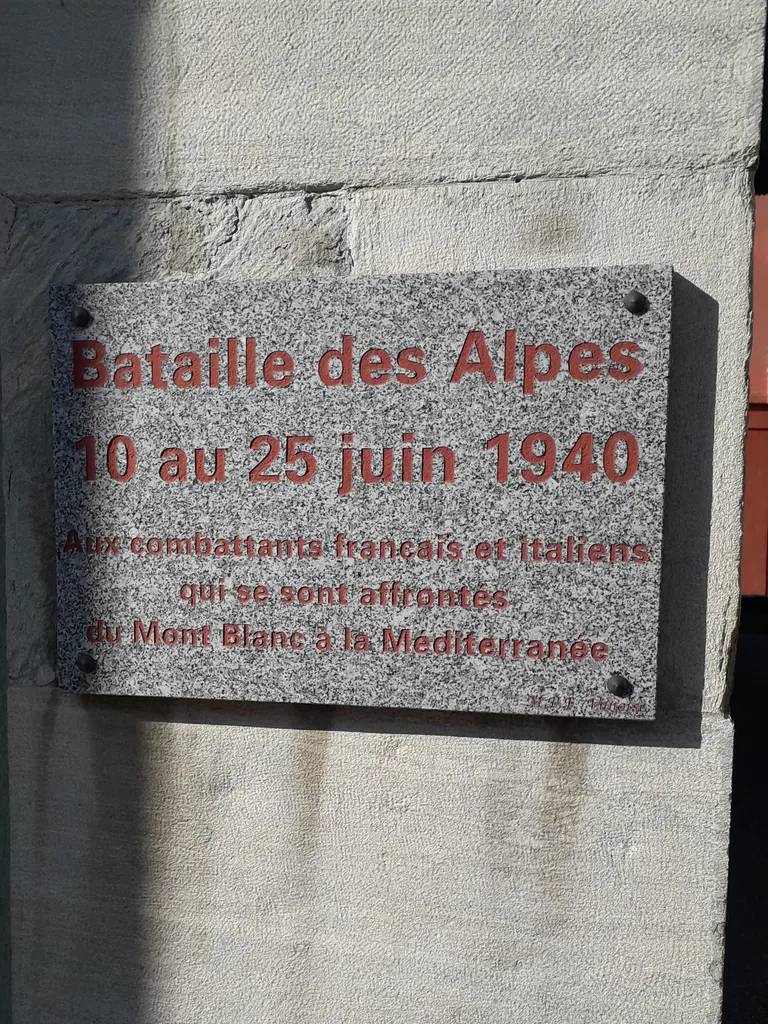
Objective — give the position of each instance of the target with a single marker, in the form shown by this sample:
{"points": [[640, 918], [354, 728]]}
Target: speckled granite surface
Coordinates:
{"points": [[563, 591]]}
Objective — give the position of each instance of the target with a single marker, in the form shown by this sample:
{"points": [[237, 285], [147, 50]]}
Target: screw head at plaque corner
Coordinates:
{"points": [[81, 317], [619, 685], [86, 662], [636, 302]]}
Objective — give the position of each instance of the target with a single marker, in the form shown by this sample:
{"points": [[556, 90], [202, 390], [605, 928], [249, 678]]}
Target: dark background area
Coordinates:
{"points": [[761, 176], [745, 989]]}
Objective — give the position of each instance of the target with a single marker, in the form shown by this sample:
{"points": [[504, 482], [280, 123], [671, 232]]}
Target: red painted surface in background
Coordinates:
{"points": [[754, 564]]}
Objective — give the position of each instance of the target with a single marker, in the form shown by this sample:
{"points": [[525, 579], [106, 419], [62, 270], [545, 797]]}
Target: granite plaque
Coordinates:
{"points": [[438, 491]]}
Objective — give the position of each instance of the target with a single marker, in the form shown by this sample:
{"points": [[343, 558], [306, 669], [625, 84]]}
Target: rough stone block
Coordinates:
{"points": [[173, 97]]}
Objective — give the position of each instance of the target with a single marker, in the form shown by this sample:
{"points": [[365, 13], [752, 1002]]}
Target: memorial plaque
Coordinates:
{"points": [[438, 491]]}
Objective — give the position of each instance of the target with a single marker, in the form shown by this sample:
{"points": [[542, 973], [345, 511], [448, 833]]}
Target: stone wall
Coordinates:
{"points": [[176, 862]]}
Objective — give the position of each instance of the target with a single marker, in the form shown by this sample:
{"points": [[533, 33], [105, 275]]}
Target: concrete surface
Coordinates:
{"points": [[228, 864], [295, 865], [230, 96]]}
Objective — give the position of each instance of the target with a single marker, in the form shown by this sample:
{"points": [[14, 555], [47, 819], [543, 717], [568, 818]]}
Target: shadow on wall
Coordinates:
{"points": [[67, 96], [66, 90], [685, 566]]}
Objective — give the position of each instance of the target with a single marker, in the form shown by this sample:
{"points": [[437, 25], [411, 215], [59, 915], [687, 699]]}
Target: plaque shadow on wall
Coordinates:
{"points": [[683, 599]]}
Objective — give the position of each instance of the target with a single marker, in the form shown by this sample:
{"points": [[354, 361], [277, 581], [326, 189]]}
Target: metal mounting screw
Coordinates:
{"points": [[81, 316], [86, 662], [636, 302], [619, 685]]}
